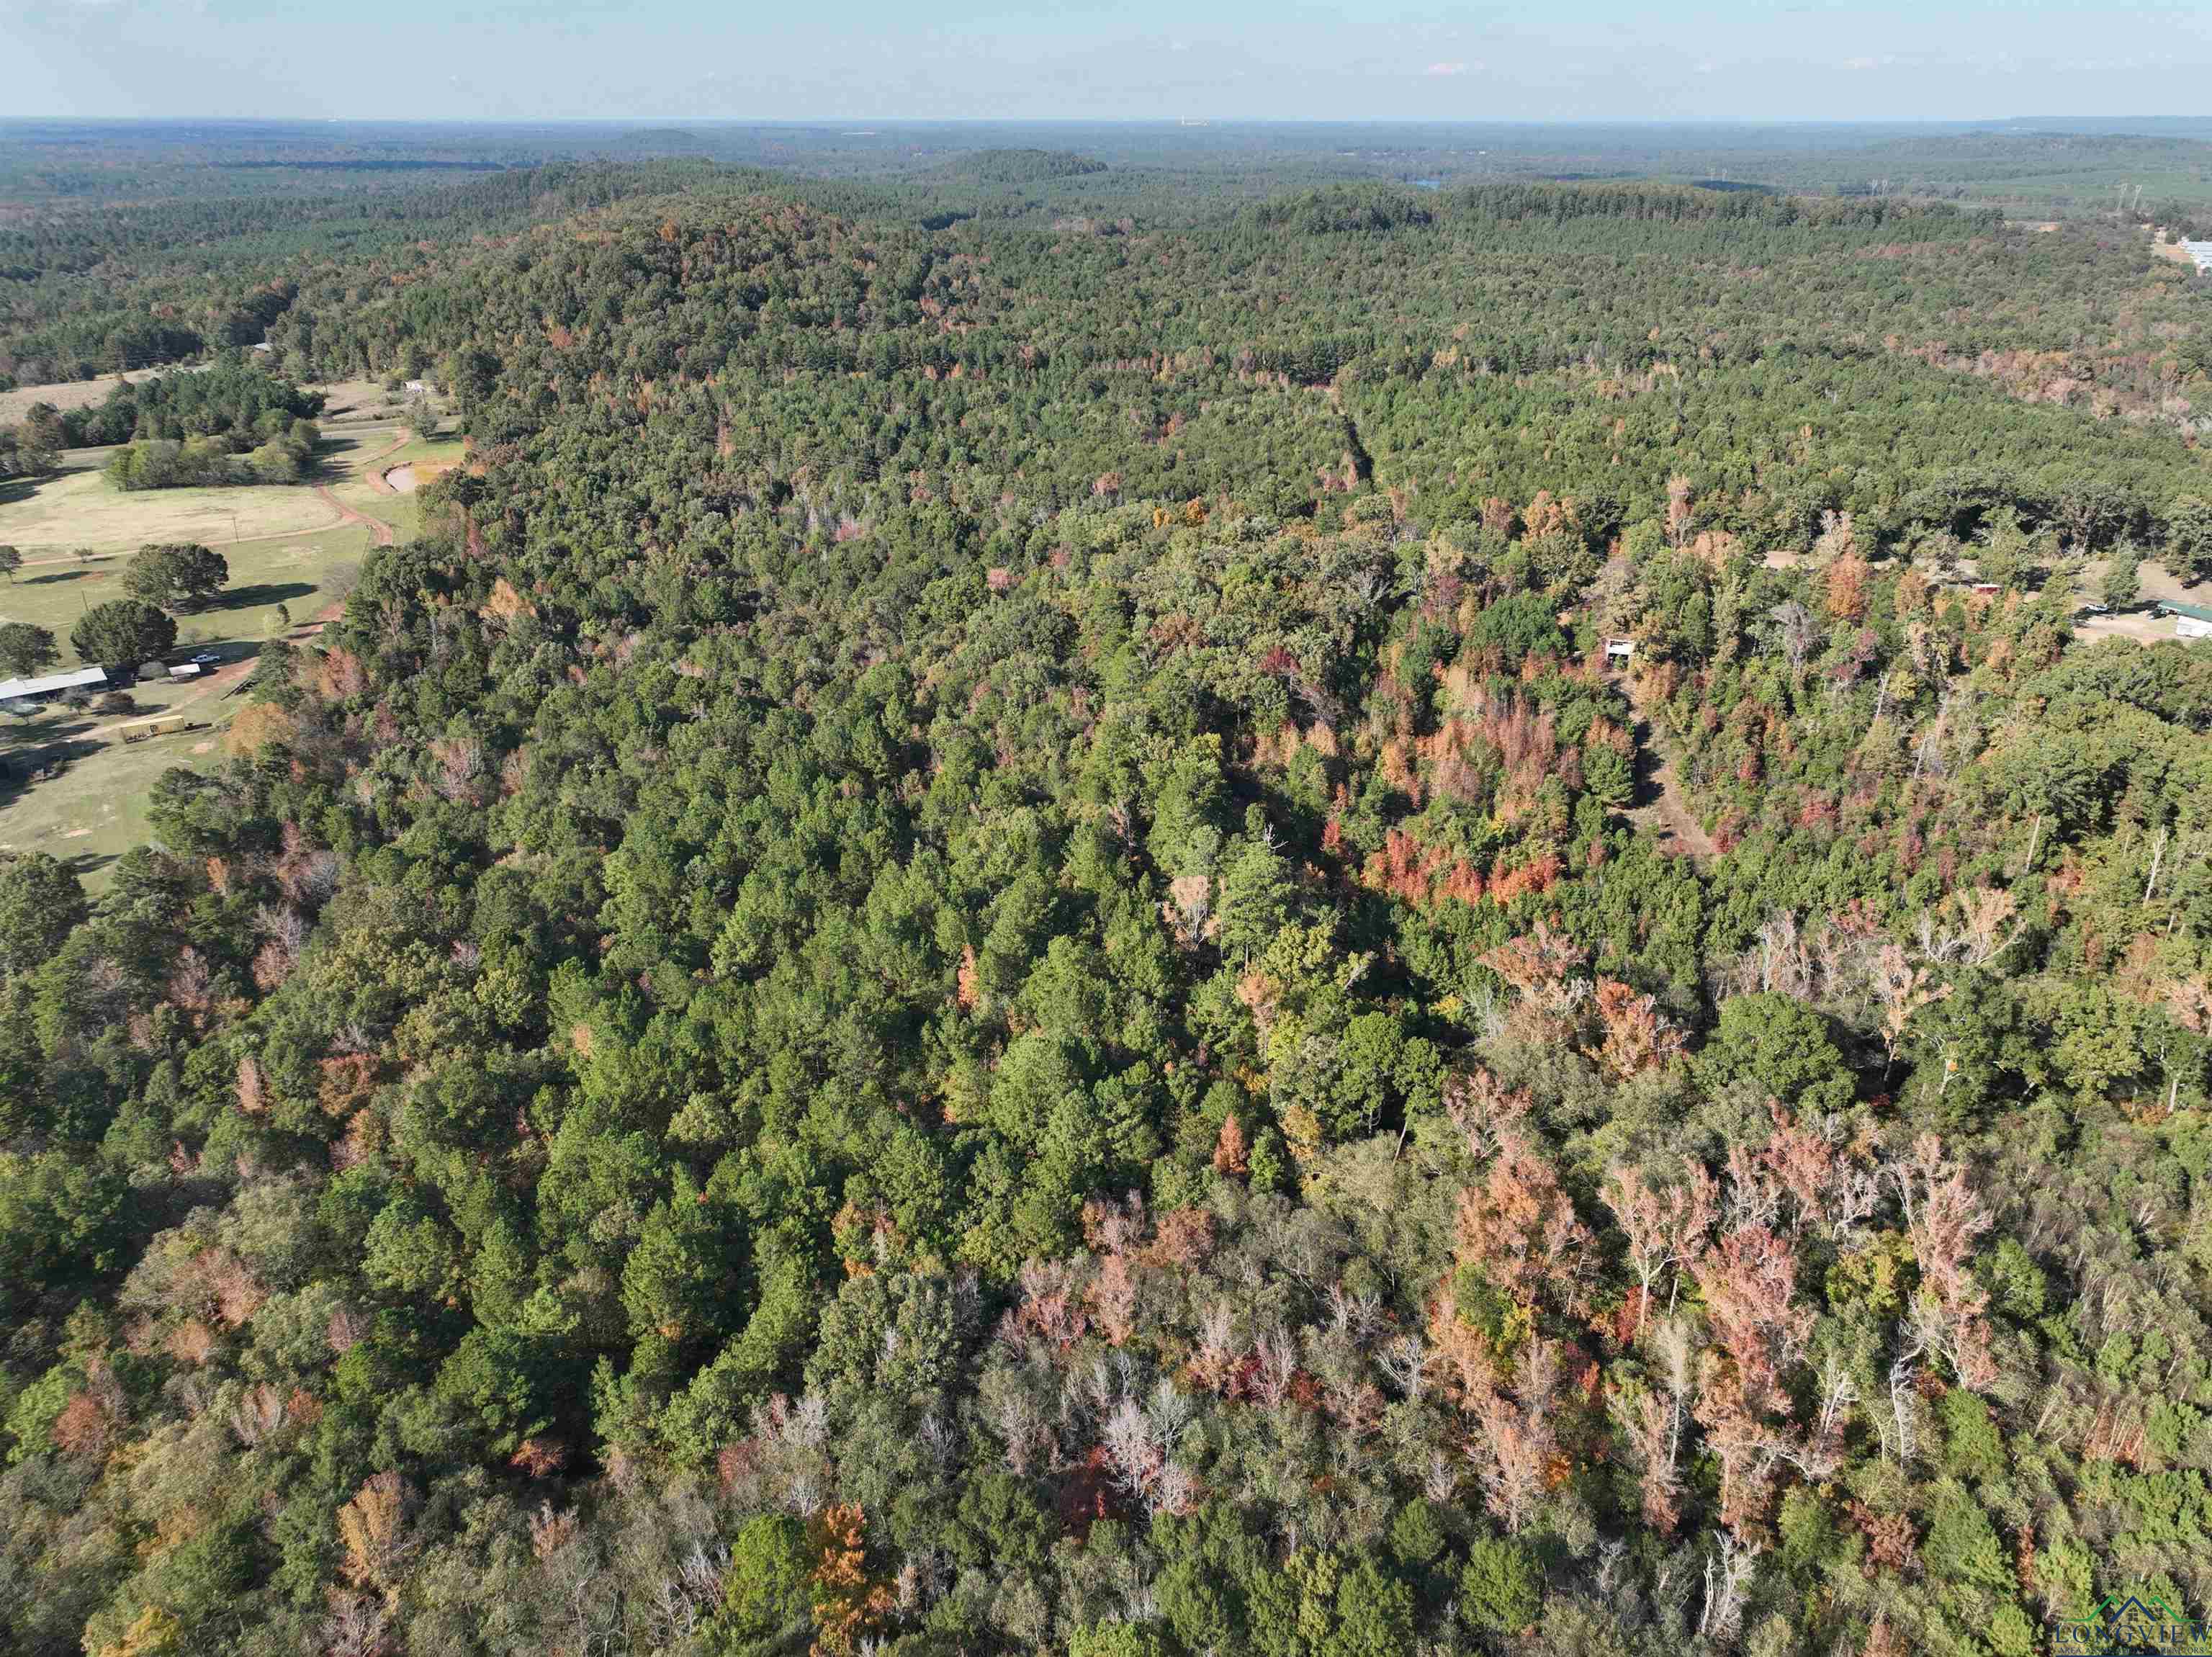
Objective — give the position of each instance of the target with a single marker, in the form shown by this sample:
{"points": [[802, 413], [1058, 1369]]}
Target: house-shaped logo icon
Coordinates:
{"points": [[2133, 1622]]}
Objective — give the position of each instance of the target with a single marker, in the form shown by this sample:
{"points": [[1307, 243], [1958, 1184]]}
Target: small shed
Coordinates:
{"points": [[1619, 649], [184, 670], [2190, 621]]}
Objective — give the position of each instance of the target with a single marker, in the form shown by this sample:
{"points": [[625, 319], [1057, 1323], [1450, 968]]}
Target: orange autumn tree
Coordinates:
{"points": [[1519, 1257], [846, 1603]]}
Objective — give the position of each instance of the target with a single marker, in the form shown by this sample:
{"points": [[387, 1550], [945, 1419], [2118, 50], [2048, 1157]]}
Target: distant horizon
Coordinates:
{"points": [[1750, 123], [1606, 61]]}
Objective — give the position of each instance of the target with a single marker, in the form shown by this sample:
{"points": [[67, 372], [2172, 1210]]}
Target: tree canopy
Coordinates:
{"points": [[179, 576], [976, 953], [123, 632]]}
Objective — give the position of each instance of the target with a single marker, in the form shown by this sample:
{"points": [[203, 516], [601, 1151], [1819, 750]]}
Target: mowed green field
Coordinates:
{"points": [[49, 520], [91, 807], [433, 452], [52, 518], [290, 548], [304, 573], [68, 393]]}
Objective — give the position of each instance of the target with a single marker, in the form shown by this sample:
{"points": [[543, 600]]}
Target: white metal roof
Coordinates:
{"points": [[10, 688]]}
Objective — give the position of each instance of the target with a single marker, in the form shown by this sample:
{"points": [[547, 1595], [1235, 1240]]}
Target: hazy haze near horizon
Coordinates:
{"points": [[1232, 59]]}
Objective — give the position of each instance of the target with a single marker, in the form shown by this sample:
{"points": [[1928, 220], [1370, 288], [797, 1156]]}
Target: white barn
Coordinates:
{"points": [[2190, 621]]}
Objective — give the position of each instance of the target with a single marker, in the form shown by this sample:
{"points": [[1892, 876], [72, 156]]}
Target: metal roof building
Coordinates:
{"points": [[2190, 621], [15, 689], [2201, 251]]}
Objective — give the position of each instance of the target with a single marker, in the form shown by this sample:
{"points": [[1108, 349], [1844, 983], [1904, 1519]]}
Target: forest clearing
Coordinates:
{"points": [[289, 567]]}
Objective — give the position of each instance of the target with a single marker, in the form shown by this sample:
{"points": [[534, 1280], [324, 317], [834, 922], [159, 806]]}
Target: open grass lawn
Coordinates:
{"points": [[347, 451], [66, 395], [439, 453], [343, 399], [403, 512], [304, 573], [52, 518], [94, 809], [289, 547], [346, 401]]}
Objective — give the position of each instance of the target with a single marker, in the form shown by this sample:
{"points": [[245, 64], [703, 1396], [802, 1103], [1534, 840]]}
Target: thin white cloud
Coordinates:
{"points": [[1445, 69]]}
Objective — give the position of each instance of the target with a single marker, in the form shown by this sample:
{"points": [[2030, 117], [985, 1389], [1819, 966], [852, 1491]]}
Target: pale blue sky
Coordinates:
{"points": [[1139, 60]]}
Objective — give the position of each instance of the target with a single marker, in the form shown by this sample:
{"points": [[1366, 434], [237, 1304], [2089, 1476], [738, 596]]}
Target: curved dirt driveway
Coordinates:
{"points": [[379, 531]]}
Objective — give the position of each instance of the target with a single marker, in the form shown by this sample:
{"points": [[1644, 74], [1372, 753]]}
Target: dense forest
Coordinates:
{"points": [[984, 952], [125, 246]]}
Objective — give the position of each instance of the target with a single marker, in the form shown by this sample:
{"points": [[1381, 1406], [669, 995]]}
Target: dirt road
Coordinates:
{"points": [[1665, 811], [373, 470], [217, 684], [379, 531]]}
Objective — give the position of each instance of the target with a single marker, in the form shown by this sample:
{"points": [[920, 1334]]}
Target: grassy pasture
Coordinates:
{"points": [[304, 573], [51, 517], [291, 547], [348, 402], [66, 395], [93, 810], [402, 510], [91, 805], [435, 454]]}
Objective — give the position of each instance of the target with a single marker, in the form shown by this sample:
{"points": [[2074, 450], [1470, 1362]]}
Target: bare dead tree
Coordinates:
{"points": [[1727, 1575]]}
